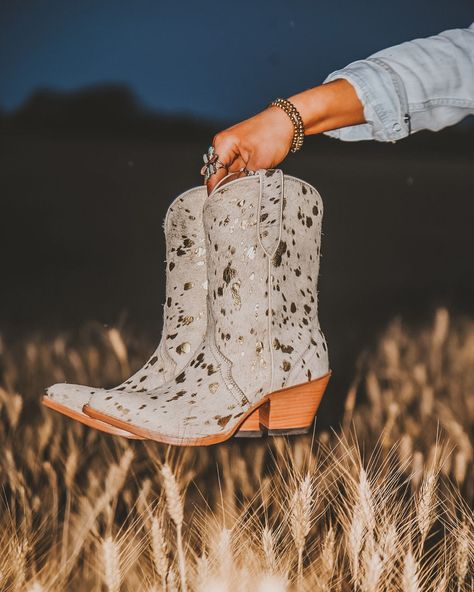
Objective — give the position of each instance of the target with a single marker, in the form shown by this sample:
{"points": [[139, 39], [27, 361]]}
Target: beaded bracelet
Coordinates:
{"points": [[296, 120]]}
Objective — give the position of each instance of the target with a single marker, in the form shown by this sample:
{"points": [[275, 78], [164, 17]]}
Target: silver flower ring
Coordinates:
{"points": [[211, 163]]}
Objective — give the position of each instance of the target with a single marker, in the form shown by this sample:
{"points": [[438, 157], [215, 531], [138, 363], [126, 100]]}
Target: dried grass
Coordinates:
{"points": [[384, 503]]}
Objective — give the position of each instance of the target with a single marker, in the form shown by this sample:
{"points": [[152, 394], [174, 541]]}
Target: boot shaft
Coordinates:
{"points": [[263, 236], [184, 311]]}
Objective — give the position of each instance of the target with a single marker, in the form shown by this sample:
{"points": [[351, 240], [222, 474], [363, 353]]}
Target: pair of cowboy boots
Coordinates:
{"points": [[242, 352]]}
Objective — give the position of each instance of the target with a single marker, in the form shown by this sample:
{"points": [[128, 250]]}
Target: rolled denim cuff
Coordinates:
{"points": [[382, 94]]}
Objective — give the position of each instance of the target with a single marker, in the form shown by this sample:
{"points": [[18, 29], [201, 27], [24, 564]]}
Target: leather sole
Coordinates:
{"points": [[89, 421], [287, 411]]}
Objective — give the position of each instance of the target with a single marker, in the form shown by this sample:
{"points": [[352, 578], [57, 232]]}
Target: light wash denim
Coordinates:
{"points": [[421, 84]]}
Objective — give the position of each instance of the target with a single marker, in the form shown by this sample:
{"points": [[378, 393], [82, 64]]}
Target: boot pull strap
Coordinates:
{"points": [[219, 183], [270, 209]]}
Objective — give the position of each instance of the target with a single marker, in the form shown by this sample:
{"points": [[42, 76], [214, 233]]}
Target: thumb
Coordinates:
{"points": [[227, 153]]}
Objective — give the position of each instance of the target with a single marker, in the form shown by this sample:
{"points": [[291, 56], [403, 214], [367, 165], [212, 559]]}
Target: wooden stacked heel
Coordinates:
{"points": [[287, 411]]}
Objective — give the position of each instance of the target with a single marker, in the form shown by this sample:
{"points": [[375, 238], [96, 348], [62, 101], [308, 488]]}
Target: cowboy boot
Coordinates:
{"points": [[184, 314], [263, 362]]}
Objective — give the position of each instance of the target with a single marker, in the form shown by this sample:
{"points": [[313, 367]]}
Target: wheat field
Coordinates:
{"points": [[382, 502]]}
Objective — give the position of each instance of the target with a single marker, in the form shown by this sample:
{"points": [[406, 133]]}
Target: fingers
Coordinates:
{"points": [[227, 150], [236, 168]]}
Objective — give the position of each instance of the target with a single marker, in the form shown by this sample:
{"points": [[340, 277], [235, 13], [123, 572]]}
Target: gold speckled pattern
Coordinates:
{"points": [[263, 238]]}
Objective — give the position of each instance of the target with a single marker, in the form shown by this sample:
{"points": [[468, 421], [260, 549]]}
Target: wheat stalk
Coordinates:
{"points": [[365, 502], [373, 568], [300, 517], [426, 506], [202, 573], [158, 544], [268, 545], [19, 549], [355, 540], [410, 577], [111, 564], [171, 582], [463, 540], [176, 512], [327, 559], [223, 552]]}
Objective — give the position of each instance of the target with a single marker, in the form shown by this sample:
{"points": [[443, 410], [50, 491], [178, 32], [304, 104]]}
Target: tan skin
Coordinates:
{"points": [[264, 140]]}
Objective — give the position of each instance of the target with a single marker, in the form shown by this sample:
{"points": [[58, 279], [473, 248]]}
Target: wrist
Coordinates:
{"points": [[296, 121], [282, 122], [313, 107]]}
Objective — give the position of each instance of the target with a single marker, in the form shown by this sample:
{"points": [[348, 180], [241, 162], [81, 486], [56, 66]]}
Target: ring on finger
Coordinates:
{"points": [[211, 163]]}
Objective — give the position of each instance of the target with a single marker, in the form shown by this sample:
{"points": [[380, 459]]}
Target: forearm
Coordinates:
{"points": [[329, 106]]}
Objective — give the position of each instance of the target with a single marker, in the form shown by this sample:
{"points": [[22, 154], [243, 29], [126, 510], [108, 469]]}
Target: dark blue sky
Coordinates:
{"points": [[218, 60]]}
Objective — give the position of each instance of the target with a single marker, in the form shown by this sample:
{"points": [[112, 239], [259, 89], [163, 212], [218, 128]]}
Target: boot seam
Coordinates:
{"points": [[260, 196], [164, 351], [227, 377], [269, 260], [270, 318]]}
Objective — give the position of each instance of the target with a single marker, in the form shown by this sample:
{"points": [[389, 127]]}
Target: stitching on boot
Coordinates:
{"points": [[221, 359], [269, 259], [262, 223]]}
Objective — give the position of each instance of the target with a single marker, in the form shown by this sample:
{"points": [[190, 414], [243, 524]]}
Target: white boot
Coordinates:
{"points": [[184, 313], [263, 362]]}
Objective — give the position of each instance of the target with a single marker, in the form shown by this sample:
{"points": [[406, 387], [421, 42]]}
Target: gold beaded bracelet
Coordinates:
{"points": [[296, 120]]}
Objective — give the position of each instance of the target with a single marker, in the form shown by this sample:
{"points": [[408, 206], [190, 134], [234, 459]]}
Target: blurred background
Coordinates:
{"points": [[105, 111]]}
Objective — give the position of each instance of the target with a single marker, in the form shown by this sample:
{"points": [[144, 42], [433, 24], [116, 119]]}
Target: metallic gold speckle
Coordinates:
{"points": [[223, 421], [251, 252], [235, 295], [228, 273], [183, 348]]}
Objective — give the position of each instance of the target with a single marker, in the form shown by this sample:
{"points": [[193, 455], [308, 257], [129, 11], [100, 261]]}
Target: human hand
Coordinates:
{"points": [[260, 142], [264, 140]]}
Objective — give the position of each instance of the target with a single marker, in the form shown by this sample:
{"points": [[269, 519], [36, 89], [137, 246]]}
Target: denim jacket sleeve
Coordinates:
{"points": [[421, 84]]}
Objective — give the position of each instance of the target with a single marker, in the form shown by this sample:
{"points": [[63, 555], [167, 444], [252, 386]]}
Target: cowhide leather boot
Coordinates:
{"points": [[263, 363], [184, 314]]}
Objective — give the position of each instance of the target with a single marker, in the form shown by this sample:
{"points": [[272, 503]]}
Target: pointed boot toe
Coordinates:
{"points": [[69, 399]]}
